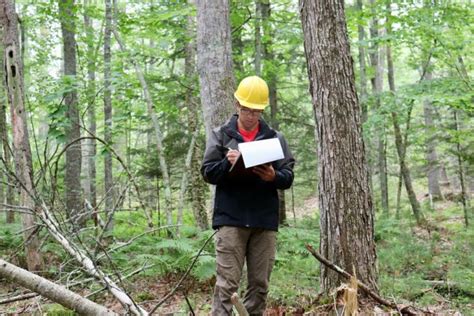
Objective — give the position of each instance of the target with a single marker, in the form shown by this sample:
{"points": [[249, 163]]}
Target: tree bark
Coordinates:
{"points": [[21, 145], [363, 95], [91, 114], [434, 189], [377, 86], [266, 49], [52, 291], [8, 193], [345, 202], [197, 186], [72, 178], [108, 171], [214, 61], [401, 150], [362, 66]]}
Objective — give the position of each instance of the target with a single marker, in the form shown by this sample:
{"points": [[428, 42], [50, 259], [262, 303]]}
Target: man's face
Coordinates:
{"points": [[249, 117]]}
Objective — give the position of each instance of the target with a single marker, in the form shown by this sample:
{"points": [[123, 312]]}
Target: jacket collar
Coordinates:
{"points": [[230, 128]]}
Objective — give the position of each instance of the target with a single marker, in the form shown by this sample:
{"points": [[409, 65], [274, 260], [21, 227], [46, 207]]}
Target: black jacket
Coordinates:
{"points": [[244, 201]]}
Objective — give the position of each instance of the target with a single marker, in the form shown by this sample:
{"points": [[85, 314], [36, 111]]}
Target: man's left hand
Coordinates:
{"points": [[265, 172]]}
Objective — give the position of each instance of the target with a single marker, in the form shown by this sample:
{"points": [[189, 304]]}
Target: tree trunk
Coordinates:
{"points": [[21, 145], [91, 91], [434, 189], [405, 171], [345, 202], [8, 192], [377, 86], [214, 62], [197, 186], [266, 49], [461, 170], [258, 37], [362, 66], [108, 171], [52, 291], [363, 95], [72, 178]]}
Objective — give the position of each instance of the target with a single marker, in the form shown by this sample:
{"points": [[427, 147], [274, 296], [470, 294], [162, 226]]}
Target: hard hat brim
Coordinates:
{"points": [[251, 105]]}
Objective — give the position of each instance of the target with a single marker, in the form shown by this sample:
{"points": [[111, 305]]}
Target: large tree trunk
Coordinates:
{"points": [[197, 186], [377, 86], [21, 145], [52, 291], [72, 178], [108, 171], [91, 91], [214, 61], [431, 155], [345, 202], [401, 148]]}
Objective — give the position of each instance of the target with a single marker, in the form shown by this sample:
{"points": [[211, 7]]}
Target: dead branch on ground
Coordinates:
{"points": [[406, 309]]}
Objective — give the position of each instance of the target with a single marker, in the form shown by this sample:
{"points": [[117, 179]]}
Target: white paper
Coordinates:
{"points": [[261, 151]]}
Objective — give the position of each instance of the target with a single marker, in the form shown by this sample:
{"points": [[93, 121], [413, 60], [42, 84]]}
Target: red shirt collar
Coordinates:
{"points": [[249, 136]]}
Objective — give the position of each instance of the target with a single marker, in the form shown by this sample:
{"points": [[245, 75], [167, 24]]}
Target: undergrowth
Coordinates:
{"points": [[413, 262]]}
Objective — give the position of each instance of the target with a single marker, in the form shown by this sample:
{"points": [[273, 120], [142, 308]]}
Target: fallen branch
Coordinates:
{"points": [[79, 254], [18, 298], [405, 309], [52, 291]]}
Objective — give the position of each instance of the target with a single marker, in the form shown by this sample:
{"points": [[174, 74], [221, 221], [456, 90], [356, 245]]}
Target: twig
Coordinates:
{"points": [[123, 278], [135, 238], [191, 310], [18, 298], [241, 310], [183, 277]]}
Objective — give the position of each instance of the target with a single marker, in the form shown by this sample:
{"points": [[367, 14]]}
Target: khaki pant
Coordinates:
{"points": [[233, 246]]}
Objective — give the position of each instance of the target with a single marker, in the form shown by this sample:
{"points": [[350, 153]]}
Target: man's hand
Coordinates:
{"points": [[233, 155], [265, 172]]}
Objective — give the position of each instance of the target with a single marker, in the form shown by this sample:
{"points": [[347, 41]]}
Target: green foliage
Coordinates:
{"points": [[8, 238], [58, 310], [410, 257], [295, 274]]}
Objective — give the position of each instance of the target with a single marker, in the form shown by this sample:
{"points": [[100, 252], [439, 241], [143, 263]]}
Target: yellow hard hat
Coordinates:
{"points": [[252, 93]]}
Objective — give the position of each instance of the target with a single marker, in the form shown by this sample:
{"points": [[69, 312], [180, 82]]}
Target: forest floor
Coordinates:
{"points": [[407, 260]]}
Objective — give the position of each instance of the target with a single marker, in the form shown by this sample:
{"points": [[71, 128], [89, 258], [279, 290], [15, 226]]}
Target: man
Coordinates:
{"points": [[245, 206]]}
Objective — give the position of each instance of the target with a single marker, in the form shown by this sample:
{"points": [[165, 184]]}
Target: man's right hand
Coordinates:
{"points": [[233, 155]]}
